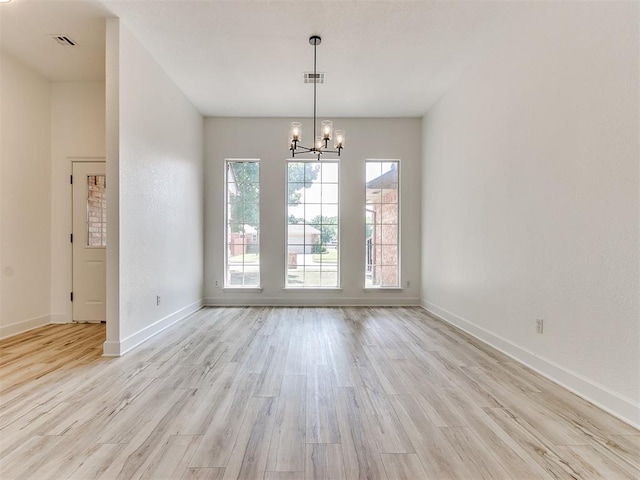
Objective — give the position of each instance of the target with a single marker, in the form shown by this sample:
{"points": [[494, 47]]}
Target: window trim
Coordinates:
{"points": [[293, 288], [399, 285], [225, 265]]}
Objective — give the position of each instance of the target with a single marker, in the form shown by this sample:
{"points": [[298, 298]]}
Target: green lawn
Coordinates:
{"points": [[248, 258], [330, 257], [309, 278]]}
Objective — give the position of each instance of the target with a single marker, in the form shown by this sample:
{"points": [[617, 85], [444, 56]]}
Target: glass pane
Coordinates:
{"points": [[376, 275], [330, 173], [374, 195], [236, 247], [373, 171], [329, 279], [295, 172], [331, 219], [370, 216], [312, 277], [312, 211], [389, 234], [251, 173], [237, 171], [330, 193], [311, 171], [295, 187], [388, 276], [296, 237], [388, 167], [295, 214], [295, 274], [387, 213], [389, 255], [97, 210], [375, 184], [330, 214]]}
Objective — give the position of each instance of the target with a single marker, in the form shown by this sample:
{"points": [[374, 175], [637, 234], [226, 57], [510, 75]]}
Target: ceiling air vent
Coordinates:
{"points": [[310, 77], [64, 41]]}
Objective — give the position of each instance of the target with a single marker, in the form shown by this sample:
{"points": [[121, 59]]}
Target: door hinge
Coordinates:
{"points": [[71, 296], [71, 179], [71, 237]]}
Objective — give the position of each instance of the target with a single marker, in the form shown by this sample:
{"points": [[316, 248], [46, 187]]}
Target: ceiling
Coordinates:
{"points": [[247, 58]]}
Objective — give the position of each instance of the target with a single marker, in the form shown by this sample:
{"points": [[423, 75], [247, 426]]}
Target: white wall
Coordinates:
{"points": [[154, 135], [530, 200], [265, 139], [77, 133], [25, 192]]}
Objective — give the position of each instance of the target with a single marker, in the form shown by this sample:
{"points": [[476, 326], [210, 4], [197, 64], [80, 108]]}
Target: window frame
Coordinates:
{"points": [[227, 286], [398, 244], [337, 286]]}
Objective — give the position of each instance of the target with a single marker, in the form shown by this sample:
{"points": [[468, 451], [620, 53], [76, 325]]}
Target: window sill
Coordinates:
{"points": [[382, 289], [242, 289], [312, 289]]}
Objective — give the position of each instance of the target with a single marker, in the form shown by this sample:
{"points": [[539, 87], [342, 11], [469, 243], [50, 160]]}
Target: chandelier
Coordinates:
{"points": [[321, 144]]}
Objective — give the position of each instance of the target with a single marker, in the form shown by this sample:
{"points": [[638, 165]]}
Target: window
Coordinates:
{"points": [[96, 210], [312, 225], [242, 221], [382, 224]]}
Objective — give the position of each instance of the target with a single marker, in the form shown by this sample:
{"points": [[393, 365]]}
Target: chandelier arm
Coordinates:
{"points": [[314, 151], [302, 147]]}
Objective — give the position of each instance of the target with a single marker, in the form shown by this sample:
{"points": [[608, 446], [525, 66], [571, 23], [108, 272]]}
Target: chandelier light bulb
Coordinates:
{"points": [[296, 131], [327, 129], [339, 139]]}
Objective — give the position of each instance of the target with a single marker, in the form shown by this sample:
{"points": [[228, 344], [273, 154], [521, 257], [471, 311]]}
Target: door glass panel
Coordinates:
{"points": [[97, 210]]}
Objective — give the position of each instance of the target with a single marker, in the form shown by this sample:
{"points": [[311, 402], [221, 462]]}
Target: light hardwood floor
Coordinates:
{"points": [[294, 393]]}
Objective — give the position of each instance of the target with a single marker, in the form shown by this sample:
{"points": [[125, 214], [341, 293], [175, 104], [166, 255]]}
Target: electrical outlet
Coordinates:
{"points": [[539, 325], [217, 284], [157, 299]]}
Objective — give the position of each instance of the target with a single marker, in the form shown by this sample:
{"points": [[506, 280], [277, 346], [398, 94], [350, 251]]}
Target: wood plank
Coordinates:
{"points": [[287, 447], [540, 448], [593, 465], [403, 466], [359, 451], [194, 473], [322, 423], [220, 435], [324, 461], [172, 458], [97, 459], [250, 452], [283, 475], [436, 453]]}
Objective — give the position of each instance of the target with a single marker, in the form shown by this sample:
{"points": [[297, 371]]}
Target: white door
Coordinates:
{"points": [[89, 239]]}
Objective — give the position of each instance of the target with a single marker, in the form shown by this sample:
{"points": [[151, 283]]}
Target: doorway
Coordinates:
{"points": [[89, 242]]}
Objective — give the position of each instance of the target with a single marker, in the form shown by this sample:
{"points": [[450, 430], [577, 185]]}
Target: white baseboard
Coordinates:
{"points": [[617, 405], [60, 318], [111, 349], [116, 349], [24, 326], [299, 299]]}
